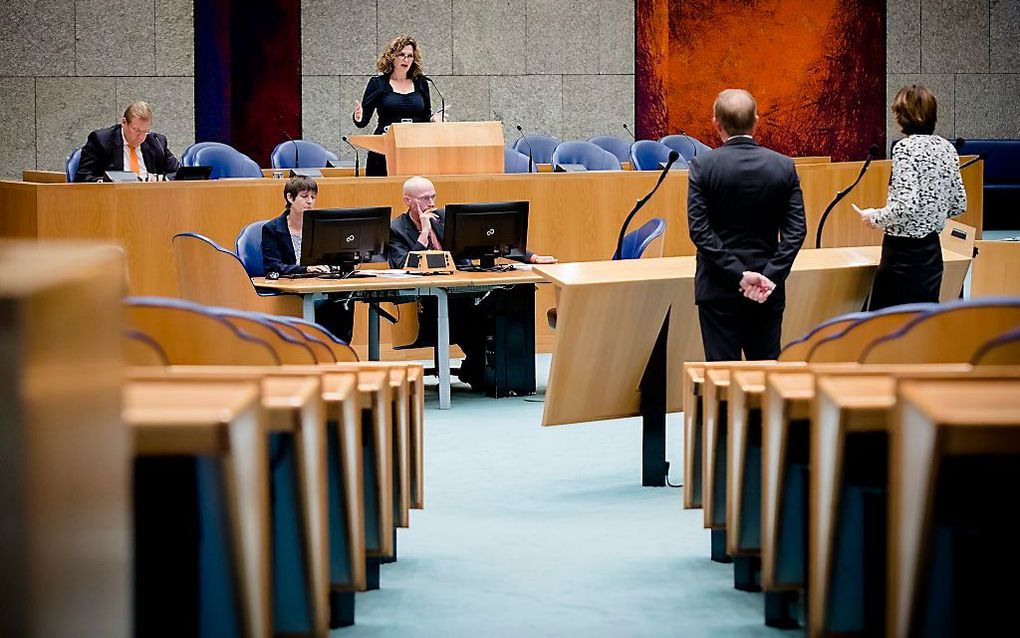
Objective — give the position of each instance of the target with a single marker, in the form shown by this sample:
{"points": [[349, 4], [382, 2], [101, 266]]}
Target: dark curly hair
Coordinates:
{"points": [[386, 58]]}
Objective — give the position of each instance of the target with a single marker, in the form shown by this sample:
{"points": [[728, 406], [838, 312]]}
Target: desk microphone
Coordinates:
{"points": [[673, 156], [297, 162], [531, 158], [627, 128], [357, 157], [691, 142], [872, 153], [958, 143], [442, 102]]}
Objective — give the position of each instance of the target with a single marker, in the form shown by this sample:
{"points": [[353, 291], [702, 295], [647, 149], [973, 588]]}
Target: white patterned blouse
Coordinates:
{"points": [[926, 187]]}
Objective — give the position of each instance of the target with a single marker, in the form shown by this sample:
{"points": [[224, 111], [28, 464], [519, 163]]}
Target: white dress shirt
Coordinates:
{"points": [[138, 154]]}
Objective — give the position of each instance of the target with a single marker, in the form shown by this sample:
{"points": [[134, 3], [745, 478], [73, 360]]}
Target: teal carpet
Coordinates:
{"points": [[532, 531]]}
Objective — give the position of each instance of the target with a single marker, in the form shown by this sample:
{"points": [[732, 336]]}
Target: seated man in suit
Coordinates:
{"points": [[745, 213], [128, 146], [421, 228]]}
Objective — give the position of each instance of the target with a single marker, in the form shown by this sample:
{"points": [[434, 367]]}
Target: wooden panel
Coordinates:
{"points": [[65, 454], [996, 269]]}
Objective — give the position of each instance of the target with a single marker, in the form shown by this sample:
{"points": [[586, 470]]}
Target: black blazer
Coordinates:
{"points": [[104, 151], [277, 248], [745, 211]]}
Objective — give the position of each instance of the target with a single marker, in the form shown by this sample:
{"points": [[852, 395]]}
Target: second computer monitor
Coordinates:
{"points": [[345, 237], [486, 231]]}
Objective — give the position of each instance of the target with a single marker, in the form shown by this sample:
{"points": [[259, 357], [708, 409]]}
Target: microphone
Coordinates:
{"points": [[627, 128], [531, 159], [691, 142], [673, 156], [958, 143], [297, 162], [442, 102], [872, 153], [357, 157]]}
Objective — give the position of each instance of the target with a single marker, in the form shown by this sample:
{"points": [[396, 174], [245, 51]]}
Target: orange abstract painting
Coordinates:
{"points": [[815, 67]]}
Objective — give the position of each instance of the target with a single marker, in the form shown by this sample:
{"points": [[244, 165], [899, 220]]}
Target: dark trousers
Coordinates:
{"points": [[733, 326], [333, 316], [910, 272]]}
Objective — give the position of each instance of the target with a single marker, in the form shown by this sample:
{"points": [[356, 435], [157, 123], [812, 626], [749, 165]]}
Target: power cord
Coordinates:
{"points": [[667, 478]]}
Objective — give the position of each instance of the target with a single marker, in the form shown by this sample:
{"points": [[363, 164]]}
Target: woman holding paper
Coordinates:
{"points": [[925, 190], [400, 93]]}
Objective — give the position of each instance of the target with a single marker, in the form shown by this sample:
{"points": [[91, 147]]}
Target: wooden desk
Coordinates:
{"points": [[693, 383], [996, 269], [385, 287], [143, 217], [224, 420], [935, 422]]}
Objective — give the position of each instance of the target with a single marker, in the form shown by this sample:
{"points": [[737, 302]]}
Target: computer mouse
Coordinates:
{"points": [[272, 274]]}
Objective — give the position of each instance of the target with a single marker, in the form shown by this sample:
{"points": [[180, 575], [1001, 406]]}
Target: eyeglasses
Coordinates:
{"points": [[406, 56]]}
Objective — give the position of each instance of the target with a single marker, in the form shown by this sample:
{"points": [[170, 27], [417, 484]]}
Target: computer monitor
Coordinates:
{"points": [[486, 231], [345, 237]]}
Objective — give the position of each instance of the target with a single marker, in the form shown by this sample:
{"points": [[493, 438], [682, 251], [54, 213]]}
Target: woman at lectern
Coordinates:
{"points": [[400, 93], [926, 189], [281, 251]]}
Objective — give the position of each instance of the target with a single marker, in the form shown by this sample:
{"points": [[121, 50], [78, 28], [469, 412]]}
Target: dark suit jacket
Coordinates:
{"points": [[745, 212], [277, 248], [104, 151], [404, 239]]}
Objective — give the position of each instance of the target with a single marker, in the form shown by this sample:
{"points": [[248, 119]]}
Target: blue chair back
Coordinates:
{"points": [[687, 146], [312, 155], [248, 247], [542, 147], [188, 156], [636, 241], [226, 162], [615, 145], [592, 157], [514, 162], [71, 165], [646, 155]]}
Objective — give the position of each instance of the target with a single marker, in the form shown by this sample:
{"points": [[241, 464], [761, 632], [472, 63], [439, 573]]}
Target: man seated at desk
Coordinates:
{"points": [[421, 228], [128, 146]]}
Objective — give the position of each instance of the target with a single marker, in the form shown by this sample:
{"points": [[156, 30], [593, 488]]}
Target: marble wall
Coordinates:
{"points": [[70, 66], [560, 67]]}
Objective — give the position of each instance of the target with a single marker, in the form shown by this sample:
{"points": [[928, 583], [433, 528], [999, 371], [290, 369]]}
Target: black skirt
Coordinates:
{"points": [[910, 271], [375, 165]]}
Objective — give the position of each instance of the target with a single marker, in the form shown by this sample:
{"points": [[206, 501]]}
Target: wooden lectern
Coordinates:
{"points": [[440, 148]]}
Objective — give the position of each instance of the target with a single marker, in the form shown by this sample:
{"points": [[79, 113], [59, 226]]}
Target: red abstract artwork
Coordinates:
{"points": [[815, 67]]}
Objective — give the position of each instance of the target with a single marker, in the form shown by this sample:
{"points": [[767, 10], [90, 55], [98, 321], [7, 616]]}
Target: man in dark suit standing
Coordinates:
{"points": [[128, 146], [745, 214]]}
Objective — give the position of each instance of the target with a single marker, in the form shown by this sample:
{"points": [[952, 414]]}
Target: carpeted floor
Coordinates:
{"points": [[532, 531]]}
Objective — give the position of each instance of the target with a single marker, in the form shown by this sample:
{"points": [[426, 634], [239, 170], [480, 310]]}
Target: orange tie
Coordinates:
{"points": [[135, 168]]}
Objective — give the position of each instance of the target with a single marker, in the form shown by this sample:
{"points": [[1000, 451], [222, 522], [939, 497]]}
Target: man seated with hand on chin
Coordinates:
{"points": [[421, 228]]}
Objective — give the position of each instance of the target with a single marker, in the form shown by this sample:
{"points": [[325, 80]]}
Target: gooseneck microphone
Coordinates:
{"points": [[531, 158], [673, 156], [691, 142], [297, 162], [958, 143], [627, 128], [442, 101], [872, 153], [357, 157]]}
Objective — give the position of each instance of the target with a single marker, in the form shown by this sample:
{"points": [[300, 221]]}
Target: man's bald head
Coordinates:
{"points": [[417, 185], [735, 112]]}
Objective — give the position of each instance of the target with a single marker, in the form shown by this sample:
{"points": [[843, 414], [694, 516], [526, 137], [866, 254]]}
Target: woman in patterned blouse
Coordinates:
{"points": [[925, 190]]}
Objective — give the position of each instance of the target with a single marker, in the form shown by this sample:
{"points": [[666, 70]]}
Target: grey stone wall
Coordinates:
{"points": [[560, 67], [967, 52], [70, 66]]}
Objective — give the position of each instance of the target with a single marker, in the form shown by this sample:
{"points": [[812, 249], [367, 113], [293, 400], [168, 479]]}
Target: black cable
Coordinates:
{"points": [[678, 485]]}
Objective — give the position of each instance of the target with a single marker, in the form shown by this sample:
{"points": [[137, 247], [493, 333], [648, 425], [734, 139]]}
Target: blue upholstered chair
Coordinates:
{"points": [[188, 156], [71, 165], [311, 155], [687, 146], [248, 248], [226, 161], [648, 155], [515, 162], [592, 157], [615, 145], [636, 241], [542, 147]]}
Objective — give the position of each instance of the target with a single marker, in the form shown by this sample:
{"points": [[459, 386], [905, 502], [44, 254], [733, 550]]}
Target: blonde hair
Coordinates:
{"points": [[138, 111], [386, 58]]}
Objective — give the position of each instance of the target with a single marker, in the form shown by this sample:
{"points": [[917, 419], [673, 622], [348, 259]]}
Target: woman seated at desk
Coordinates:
{"points": [[281, 245]]}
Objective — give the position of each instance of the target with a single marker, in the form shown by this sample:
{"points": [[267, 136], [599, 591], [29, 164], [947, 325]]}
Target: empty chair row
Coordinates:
{"points": [[642, 154]]}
